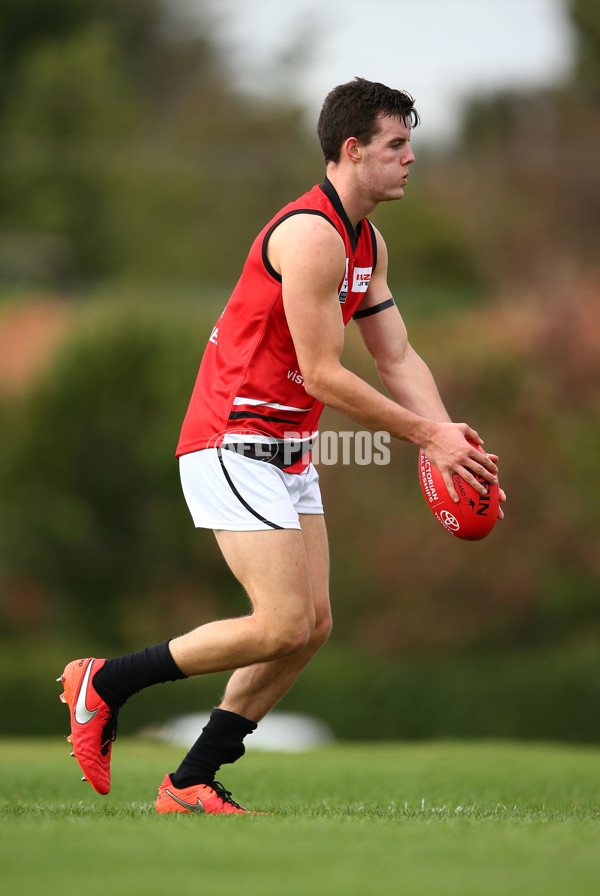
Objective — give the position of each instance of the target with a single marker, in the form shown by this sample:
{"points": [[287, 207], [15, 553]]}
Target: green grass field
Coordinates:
{"points": [[447, 818]]}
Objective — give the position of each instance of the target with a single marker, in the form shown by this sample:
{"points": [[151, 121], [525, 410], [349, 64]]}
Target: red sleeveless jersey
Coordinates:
{"points": [[250, 383]]}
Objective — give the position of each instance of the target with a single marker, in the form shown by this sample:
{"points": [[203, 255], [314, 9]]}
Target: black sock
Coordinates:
{"points": [[123, 676], [220, 743]]}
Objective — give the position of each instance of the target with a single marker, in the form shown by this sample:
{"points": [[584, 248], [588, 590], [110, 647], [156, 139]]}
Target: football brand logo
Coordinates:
{"points": [[449, 521], [83, 715], [192, 807]]}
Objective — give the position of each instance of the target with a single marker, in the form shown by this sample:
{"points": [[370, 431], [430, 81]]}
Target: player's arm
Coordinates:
{"points": [[309, 254], [402, 371]]}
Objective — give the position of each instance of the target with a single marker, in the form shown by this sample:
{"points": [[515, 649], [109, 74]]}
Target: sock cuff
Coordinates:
{"points": [[230, 723], [160, 659]]}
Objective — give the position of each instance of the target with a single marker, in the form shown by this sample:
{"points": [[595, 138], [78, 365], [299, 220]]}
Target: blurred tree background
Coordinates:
{"points": [[134, 174]]}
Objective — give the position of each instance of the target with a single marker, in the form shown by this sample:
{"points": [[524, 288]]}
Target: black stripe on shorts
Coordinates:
{"points": [[239, 497]]}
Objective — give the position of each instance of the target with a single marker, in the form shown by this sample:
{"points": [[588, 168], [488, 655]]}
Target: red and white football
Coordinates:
{"points": [[474, 516]]}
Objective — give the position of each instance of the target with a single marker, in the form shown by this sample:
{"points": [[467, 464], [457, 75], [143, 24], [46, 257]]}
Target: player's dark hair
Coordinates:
{"points": [[352, 110]]}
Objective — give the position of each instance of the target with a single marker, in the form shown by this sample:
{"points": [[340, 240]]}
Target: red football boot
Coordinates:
{"points": [[212, 799], [93, 722]]}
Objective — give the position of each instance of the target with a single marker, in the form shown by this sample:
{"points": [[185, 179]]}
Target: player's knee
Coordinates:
{"points": [[321, 631], [295, 639], [290, 637]]}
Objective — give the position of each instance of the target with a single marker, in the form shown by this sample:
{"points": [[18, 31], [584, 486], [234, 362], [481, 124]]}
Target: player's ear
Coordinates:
{"points": [[352, 149]]}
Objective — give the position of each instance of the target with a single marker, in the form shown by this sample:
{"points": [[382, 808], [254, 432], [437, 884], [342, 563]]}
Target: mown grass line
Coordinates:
{"points": [[451, 818]]}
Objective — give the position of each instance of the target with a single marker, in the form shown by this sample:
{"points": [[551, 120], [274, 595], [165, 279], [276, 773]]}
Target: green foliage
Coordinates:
{"points": [[89, 478], [514, 143], [97, 528], [428, 248], [70, 108], [493, 639], [152, 39], [585, 15], [533, 694], [75, 88], [128, 152], [25, 24]]}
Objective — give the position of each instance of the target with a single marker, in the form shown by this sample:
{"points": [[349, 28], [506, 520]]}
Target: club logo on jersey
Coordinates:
{"points": [[361, 279], [343, 293], [214, 336]]}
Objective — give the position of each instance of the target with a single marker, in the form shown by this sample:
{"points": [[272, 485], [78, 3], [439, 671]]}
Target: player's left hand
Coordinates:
{"points": [[501, 492]]}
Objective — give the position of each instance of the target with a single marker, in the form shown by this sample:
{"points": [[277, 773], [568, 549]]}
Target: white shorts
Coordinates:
{"points": [[225, 490]]}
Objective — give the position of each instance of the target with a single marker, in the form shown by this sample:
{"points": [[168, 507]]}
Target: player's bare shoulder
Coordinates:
{"points": [[307, 241]]}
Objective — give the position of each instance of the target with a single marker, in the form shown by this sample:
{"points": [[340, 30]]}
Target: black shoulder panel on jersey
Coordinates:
{"points": [[297, 211], [373, 242], [331, 193]]}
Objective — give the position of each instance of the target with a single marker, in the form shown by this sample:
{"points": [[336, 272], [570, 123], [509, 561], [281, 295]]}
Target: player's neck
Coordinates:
{"points": [[356, 204]]}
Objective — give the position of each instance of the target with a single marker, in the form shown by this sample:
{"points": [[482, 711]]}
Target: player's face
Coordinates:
{"points": [[385, 160]]}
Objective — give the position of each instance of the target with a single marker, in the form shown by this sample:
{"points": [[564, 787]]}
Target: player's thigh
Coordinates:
{"points": [[273, 568], [316, 545]]}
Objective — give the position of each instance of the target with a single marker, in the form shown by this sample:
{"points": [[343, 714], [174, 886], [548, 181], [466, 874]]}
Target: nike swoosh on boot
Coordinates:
{"points": [[83, 715]]}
